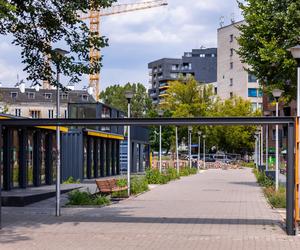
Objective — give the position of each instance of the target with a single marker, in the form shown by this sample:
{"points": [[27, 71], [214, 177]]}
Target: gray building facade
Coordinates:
{"points": [[200, 63]]}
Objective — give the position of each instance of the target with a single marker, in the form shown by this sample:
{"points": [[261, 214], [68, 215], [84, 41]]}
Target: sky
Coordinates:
{"points": [[137, 38]]}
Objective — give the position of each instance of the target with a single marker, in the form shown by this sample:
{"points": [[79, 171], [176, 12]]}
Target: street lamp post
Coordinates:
{"points": [[160, 113], [60, 53], [190, 145], [267, 113], [204, 164], [129, 96], [177, 158], [199, 140], [277, 93]]}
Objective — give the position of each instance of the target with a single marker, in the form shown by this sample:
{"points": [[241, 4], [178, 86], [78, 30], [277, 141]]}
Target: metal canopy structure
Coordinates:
{"points": [[214, 121], [205, 121]]}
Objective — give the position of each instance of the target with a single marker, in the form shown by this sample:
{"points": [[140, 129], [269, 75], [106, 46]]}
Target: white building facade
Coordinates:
{"points": [[233, 79]]}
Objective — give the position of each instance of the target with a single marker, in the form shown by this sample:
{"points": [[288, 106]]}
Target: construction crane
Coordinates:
{"points": [[94, 18]]}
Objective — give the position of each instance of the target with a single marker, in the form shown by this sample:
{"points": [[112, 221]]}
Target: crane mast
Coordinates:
{"points": [[94, 18]]}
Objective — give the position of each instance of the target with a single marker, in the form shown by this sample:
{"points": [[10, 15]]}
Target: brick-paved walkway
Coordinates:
{"points": [[217, 209]]}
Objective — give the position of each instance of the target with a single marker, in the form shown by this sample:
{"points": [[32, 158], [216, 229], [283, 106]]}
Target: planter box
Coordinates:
{"points": [[261, 168], [271, 174]]}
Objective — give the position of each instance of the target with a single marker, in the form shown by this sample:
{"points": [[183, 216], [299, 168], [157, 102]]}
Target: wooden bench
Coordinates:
{"points": [[109, 186]]}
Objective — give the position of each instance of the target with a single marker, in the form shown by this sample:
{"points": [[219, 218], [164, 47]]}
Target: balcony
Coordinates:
{"points": [[164, 86], [153, 94], [155, 102]]}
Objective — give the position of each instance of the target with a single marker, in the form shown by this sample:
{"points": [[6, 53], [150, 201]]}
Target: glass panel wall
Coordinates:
{"points": [[15, 159], [30, 159]]}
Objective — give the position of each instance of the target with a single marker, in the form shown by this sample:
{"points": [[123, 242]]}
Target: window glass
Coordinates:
{"points": [[252, 78], [252, 92]]}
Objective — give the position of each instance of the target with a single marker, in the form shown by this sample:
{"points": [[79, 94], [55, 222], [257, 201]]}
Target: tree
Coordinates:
{"points": [[271, 27], [39, 25], [232, 139], [140, 103]]}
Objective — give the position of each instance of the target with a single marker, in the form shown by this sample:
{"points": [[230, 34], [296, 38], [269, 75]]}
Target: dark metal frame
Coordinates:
{"points": [[290, 121]]}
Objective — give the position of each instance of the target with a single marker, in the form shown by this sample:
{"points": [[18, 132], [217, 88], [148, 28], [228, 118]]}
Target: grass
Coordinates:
{"points": [[276, 198], [155, 177], [86, 199], [138, 184], [71, 180]]}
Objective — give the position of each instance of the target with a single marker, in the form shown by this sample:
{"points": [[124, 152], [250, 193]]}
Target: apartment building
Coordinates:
{"points": [[39, 104], [200, 63], [233, 79]]}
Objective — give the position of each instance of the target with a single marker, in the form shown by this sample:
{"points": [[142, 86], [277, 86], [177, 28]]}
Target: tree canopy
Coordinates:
{"points": [[38, 26], [115, 96], [270, 28], [188, 98]]}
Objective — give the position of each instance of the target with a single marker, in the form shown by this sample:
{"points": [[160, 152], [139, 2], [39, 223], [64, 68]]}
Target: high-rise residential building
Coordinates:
{"points": [[233, 78], [200, 63]]}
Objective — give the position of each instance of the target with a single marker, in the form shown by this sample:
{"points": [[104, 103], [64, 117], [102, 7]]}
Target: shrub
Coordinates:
{"points": [[153, 176], [262, 179], [139, 184], [85, 198], [192, 171], [184, 172], [250, 164], [172, 173], [71, 180], [277, 199]]}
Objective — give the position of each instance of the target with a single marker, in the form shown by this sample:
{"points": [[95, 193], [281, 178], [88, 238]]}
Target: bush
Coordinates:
{"points": [[277, 199], [192, 171], [153, 176], [71, 180], [184, 172], [172, 173], [262, 179], [85, 198], [250, 164], [139, 184]]}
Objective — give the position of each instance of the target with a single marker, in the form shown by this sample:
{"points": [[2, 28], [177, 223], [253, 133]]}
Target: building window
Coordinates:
{"points": [[252, 92], [213, 55], [231, 65], [66, 113], [31, 95], [48, 96], [18, 112], [64, 96], [216, 90], [35, 114], [175, 67], [260, 93], [252, 78], [14, 95], [231, 94], [231, 38], [202, 55], [84, 97], [231, 52], [50, 113], [173, 75], [254, 106], [260, 106], [231, 81]]}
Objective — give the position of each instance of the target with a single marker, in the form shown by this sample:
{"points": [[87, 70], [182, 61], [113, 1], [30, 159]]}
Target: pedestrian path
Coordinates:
{"points": [[217, 209]]}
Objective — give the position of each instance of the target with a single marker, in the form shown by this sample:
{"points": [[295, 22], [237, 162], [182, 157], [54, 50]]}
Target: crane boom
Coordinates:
{"points": [[94, 17]]}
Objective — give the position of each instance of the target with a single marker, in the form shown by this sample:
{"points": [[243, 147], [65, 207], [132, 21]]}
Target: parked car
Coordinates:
{"points": [[223, 158]]}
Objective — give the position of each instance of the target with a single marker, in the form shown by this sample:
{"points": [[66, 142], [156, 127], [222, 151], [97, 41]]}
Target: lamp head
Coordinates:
{"points": [[267, 113], [204, 136], [277, 93], [128, 95], [160, 112], [61, 52], [90, 90], [295, 51], [190, 128], [199, 133], [22, 87]]}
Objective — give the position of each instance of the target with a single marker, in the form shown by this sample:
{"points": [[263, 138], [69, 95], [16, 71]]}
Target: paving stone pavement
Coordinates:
{"points": [[217, 209]]}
